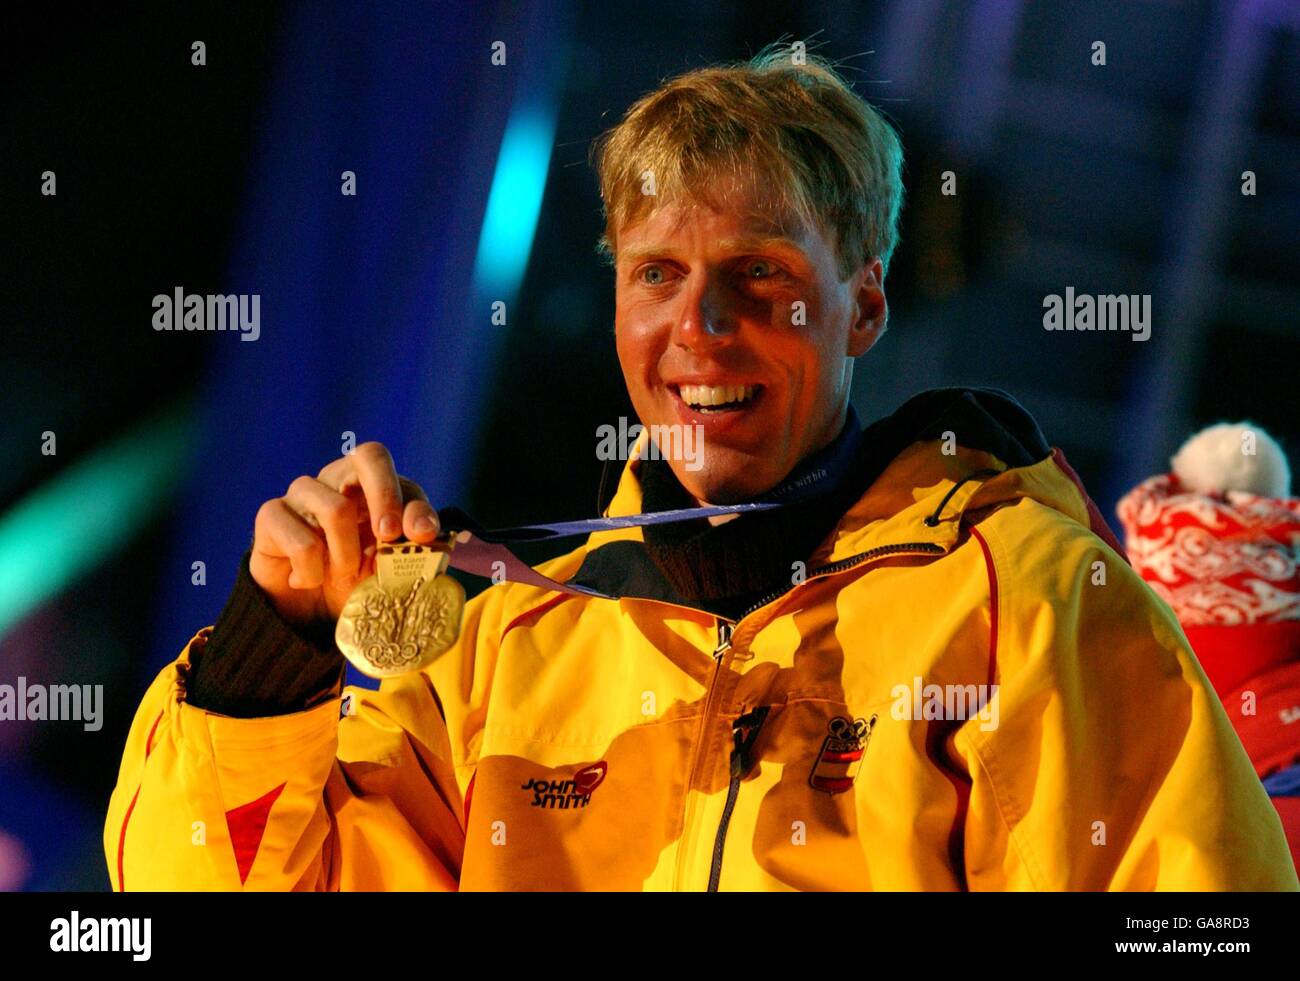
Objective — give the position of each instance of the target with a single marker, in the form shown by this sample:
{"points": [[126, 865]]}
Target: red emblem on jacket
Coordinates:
{"points": [[841, 755], [590, 777]]}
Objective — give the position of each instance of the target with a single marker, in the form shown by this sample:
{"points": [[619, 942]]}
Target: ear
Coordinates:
{"points": [[870, 310]]}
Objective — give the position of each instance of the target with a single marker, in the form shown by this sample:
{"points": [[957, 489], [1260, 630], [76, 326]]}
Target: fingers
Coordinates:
{"points": [[334, 514], [311, 546], [370, 471], [370, 466], [420, 522], [280, 532], [411, 491]]}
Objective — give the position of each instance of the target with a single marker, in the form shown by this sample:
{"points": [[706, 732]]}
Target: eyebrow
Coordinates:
{"points": [[748, 243]]}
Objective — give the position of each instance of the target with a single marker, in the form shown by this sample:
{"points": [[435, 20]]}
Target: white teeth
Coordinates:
{"points": [[705, 395]]}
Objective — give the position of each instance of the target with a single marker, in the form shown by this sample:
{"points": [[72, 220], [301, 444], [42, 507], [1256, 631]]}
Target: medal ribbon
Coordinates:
{"points": [[486, 553]]}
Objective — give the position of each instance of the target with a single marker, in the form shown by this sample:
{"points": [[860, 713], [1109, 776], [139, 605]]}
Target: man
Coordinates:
{"points": [[929, 668]]}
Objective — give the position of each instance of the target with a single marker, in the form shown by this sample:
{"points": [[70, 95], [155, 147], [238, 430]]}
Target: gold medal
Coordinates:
{"points": [[406, 614]]}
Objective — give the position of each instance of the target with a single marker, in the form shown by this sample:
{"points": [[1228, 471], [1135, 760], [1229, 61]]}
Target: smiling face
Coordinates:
{"points": [[710, 332]]}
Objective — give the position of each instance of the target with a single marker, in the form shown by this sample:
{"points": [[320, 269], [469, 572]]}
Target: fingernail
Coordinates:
{"points": [[389, 526], [423, 525]]}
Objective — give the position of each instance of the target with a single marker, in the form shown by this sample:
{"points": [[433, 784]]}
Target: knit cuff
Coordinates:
{"points": [[255, 664]]}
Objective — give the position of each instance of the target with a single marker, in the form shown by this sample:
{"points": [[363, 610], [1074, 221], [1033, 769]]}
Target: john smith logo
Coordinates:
{"points": [[564, 794], [841, 754]]}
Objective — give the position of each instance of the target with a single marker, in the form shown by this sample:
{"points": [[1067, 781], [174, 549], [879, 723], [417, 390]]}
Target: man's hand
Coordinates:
{"points": [[313, 545]]}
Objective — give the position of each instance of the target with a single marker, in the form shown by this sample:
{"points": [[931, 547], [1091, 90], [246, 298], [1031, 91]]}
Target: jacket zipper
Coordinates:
{"points": [[845, 564], [725, 628], [744, 733], [745, 729], [719, 652]]}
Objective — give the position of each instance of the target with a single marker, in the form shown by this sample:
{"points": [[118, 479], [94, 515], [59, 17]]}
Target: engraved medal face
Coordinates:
{"points": [[406, 614]]}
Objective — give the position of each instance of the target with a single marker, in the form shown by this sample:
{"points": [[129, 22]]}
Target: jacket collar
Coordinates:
{"points": [[933, 458]]}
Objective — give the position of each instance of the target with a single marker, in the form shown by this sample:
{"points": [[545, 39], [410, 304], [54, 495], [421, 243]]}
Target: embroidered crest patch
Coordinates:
{"points": [[841, 754]]}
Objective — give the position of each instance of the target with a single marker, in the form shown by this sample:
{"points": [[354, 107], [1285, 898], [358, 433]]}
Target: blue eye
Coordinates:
{"points": [[762, 269], [653, 275]]}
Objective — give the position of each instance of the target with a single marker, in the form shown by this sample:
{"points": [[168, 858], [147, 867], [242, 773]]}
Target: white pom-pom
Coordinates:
{"points": [[1233, 456]]}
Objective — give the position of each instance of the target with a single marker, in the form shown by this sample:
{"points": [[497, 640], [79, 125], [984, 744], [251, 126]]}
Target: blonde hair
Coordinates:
{"points": [[820, 153]]}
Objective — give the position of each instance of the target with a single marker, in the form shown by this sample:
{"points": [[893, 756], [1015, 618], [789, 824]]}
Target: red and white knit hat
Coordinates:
{"points": [[1219, 540]]}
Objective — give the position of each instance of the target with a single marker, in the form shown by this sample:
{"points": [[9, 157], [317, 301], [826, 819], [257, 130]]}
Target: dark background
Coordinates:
{"points": [[376, 308]]}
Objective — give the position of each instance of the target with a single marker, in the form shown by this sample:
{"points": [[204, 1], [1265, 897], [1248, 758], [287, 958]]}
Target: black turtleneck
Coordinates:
{"points": [[727, 568]]}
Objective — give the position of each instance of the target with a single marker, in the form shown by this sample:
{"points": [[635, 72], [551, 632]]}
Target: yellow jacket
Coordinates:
{"points": [[568, 742]]}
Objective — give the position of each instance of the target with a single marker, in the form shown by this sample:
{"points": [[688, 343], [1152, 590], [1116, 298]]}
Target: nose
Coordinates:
{"points": [[705, 319]]}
